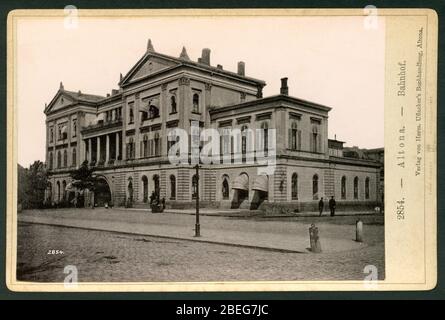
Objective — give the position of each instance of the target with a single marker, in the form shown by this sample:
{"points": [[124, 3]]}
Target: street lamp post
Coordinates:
{"points": [[197, 226]]}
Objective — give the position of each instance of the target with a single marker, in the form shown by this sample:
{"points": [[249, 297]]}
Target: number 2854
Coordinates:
{"points": [[53, 251], [400, 209]]}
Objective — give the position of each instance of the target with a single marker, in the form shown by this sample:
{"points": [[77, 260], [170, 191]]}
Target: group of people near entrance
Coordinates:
{"points": [[332, 205]]}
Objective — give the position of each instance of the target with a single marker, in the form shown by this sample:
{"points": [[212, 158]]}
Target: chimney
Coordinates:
{"points": [[205, 56], [114, 91], [219, 67], [108, 95], [241, 68], [284, 88]]}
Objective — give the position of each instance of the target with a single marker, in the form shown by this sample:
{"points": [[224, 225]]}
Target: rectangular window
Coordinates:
{"points": [[131, 113], [74, 128]]}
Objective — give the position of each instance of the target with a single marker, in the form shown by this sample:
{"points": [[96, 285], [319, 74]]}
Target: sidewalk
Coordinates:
{"points": [[288, 236], [250, 213]]}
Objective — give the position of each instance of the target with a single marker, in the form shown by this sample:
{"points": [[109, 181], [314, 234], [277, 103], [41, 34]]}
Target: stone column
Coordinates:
{"points": [[107, 149], [90, 150], [98, 150]]}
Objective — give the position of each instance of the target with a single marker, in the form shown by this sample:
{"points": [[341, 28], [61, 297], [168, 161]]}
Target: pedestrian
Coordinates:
{"points": [[332, 205], [321, 206]]}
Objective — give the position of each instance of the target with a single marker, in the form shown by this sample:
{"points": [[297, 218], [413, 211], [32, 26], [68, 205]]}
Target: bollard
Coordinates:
{"points": [[359, 231], [314, 239]]}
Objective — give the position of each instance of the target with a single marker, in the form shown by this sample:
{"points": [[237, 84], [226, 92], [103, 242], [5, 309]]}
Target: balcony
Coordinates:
{"points": [[100, 125]]}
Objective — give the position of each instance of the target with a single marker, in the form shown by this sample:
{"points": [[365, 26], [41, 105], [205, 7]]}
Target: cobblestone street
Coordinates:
{"points": [[112, 256]]}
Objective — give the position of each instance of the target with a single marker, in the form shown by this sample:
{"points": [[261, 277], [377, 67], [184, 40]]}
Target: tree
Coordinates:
{"points": [[32, 183], [83, 177]]}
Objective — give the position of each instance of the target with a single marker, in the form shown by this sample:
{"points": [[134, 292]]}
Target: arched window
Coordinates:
{"points": [[156, 184], [315, 187], [74, 158], [294, 186], [64, 190], [172, 187], [195, 103], [50, 160], [367, 188], [356, 188], [343, 187], [194, 186], [130, 190], [173, 104], [265, 129], [59, 159], [157, 145], [225, 188], [144, 189]]}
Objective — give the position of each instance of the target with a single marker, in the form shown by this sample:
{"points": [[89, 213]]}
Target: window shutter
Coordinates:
{"points": [[141, 151]]}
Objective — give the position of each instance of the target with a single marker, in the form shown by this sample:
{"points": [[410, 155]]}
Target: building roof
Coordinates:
{"points": [[184, 60], [86, 97], [280, 97]]}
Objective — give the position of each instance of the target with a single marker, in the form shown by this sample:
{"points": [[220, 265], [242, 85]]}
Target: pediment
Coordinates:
{"points": [[149, 64], [59, 101]]}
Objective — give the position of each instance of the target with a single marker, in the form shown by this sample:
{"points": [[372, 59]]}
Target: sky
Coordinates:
{"points": [[333, 61]]}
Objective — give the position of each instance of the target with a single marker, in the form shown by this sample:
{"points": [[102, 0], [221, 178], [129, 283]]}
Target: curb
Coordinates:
{"points": [[167, 237]]}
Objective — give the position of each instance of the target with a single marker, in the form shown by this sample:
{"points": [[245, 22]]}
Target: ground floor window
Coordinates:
{"points": [[225, 189], [367, 188], [356, 188], [294, 186], [343, 187], [172, 187], [315, 187]]}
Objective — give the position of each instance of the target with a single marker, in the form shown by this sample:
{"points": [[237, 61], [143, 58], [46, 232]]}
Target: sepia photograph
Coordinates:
{"points": [[164, 148]]}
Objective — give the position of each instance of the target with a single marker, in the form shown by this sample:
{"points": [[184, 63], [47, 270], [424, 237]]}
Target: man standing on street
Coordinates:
{"points": [[320, 206], [332, 206]]}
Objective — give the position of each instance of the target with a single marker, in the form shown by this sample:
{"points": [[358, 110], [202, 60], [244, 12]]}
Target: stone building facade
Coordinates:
{"points": [[124, 136]]}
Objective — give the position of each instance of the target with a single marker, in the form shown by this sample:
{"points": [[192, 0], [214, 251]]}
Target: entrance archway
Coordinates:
{"points": [[102, 192], [144, 189], [241, 190]]}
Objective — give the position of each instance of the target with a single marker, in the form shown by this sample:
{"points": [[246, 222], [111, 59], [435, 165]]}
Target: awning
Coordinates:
{"points": [[241, 182], [261, 183]]}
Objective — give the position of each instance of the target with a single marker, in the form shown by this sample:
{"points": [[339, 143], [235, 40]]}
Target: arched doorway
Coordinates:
{"points": [[156, 185], [102, 192], [144, 189], [130, 192], [58, 191], [241, 190]]}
